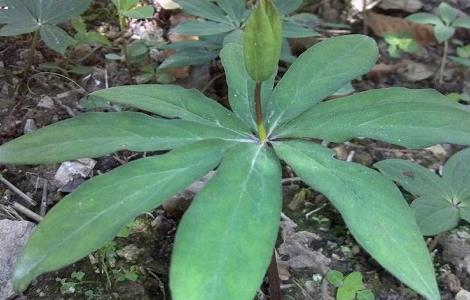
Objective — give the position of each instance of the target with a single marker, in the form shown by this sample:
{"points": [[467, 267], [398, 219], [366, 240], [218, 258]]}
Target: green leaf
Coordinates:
{"points": [[202, 28], [354, 282], [143, 12], [443, 33], [319, 72], [235, 9], [373, 209], [335, 278], [464, 52], [456, 175], [172, 101], [435, 215], [56, 38], [447, 13], [57, 11], [410, 118], [365, 295], [225, 240], [92, 38], [425, 18], [241, 87], [17, 29], [287, 7], [92, 215], [123, 5], [294, 30], [414, 178], [17, 14], [262, 41], [189, 58], [79, 25], [204, 9], [461, 60], [98, 134], [463, 22], [344, 293]]}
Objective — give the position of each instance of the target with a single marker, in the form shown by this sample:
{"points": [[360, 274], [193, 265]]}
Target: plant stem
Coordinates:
{"points": [[273, 278], [443, 62], [262, 134], [127, 60], [32, 52]]}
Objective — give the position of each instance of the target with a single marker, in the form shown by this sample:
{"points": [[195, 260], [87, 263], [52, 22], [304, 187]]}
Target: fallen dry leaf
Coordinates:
{"points": [[381, 70], [381, 24], [414, 71]]}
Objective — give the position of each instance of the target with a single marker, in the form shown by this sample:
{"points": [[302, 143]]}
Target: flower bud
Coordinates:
{"points": [[263, 41]]}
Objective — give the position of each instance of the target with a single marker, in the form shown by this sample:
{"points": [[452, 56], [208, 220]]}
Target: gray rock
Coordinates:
{"points": [[463, 295], [456, 250], [296, 246], [14, 235]]}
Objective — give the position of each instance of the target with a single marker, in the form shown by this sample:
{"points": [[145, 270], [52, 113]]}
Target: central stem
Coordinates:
{"points": [[262, 134], [443, 62]]}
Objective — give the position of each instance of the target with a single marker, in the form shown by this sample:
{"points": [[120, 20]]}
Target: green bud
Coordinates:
{"points": [[263, 41]]}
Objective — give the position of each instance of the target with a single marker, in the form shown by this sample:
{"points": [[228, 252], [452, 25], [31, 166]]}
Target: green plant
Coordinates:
{"points": [[350, 287], [124, 274], [83, 36], [68, 286], [401, 42], [40, 18], [444, 24], [463, 56], [130, 9], [441, 202], [222, 22], [226, 238]]}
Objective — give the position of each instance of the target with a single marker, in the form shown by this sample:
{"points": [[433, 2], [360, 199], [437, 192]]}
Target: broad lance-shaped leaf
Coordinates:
{"points": [[287, 7], [319, 72], [241, 88], [56, 38], [414, 178], [173, 102], [202, 28], [410, 118], [373, 209], [225, 240], [457, 176], [235, 9], [97, 134], [435, 215], [92, 215], [56, 11], [434, 209], [204, 9]]}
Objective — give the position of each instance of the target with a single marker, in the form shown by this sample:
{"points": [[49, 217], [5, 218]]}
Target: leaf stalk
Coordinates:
{"points": [[262, 133], [443, 62]]}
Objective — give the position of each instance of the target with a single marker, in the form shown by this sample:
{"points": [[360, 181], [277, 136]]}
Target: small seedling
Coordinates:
{"points": [[222, 22], [83, 36], [123, 274], [444, 24], [68, 286], [350, 287], [441, 202], [401, 42], [40, 18], [463, 56], [226, 238], [130, 9]]}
